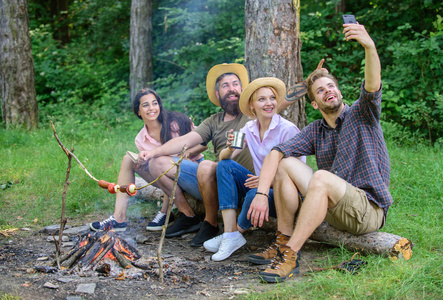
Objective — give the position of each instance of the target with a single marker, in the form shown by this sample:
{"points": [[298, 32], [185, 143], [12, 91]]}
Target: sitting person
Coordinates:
{"points": [[260, 101], [350, 190], [159, 127]]}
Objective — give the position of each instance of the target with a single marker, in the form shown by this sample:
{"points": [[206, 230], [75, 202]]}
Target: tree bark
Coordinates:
{"points": [[375, 242], [141, 50], [272, 47], [17, 78]]}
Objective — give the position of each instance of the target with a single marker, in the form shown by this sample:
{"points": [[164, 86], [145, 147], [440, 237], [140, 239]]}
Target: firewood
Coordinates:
{"points": [[378, 242], [90, 254], [128, 249], [71, 260], [123, 261], [106, 248]]}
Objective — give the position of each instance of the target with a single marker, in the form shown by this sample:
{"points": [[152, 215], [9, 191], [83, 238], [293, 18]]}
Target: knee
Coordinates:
{"points": [[224, 166], [283, 169], [206, 169], [160, 164], [319, 180]]}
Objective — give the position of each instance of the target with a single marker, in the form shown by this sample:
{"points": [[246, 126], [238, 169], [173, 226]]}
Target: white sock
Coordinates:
{"points": [[230, 235]]}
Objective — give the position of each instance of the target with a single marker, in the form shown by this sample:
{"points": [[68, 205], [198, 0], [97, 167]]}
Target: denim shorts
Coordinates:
{"points": [[187, 179]]}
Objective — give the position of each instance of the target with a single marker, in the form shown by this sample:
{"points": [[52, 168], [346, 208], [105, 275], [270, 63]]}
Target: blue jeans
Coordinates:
{"points": [[187, 179], [231, 177]]}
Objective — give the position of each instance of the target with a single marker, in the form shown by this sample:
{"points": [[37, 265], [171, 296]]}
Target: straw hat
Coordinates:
{"points": [[273, 82], [218, 70]]}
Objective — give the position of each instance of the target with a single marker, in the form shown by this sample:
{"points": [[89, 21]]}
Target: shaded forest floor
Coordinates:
{"points": [[189, 272]]}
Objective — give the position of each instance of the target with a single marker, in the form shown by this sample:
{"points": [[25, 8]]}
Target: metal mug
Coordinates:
{"points": [[238, 141]]}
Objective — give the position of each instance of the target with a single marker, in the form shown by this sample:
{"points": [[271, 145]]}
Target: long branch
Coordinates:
{"points": [[168, 213]]}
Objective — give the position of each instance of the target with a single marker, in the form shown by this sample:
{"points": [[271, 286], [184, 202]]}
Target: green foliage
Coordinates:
{"points": [[88, 80], [414, 97], [190, 36]]}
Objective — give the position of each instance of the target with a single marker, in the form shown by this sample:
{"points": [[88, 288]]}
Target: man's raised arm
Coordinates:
{"points": [[372, 62]]}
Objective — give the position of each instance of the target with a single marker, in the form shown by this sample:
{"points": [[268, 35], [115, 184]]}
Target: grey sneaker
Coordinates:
{"points": [[108, 224], [157, 223]]}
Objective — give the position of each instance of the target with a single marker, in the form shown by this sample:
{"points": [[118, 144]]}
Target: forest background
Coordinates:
{"points": [[85, 77]]}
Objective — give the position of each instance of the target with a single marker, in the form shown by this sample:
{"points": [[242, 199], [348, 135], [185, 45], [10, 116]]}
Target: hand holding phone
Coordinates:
{"points": [[349, 19]]}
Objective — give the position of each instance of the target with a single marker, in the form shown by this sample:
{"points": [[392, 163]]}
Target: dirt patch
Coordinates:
{"points": [[189, 273]]}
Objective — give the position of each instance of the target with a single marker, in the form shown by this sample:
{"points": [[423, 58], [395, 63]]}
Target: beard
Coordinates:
{"points": [[333, 108], [230, 107]]}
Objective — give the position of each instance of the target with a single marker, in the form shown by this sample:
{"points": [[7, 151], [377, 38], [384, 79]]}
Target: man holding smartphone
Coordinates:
{"points": [[350, 189]]}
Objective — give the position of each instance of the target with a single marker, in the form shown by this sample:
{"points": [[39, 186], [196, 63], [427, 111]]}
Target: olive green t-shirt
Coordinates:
{"points": [[214, 129]]}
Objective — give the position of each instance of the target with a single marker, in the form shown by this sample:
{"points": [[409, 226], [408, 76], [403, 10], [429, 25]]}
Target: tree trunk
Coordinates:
{"points": [[140, 51], [375, 242], [59, 11], [272, 47], [17, 78]]}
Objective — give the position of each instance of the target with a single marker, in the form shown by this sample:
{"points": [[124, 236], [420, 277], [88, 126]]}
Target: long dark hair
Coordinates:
{"points": [[165, 117]]}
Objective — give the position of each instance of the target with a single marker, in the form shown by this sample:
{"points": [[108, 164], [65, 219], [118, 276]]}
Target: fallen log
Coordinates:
{"points": [[377, 242]]}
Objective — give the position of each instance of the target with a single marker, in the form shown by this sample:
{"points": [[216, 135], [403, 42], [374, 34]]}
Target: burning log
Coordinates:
{"points": [[93, 248], [124, 263], [100, 256], [376, 242]]}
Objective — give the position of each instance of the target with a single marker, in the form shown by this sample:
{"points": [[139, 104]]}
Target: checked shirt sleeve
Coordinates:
{"points": [[302, 144]]}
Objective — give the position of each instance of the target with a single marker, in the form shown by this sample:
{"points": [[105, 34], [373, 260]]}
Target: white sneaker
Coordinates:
{"points": [[229, 246], [213, 244]]}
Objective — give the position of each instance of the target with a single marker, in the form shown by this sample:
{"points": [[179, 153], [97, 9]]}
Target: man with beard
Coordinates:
{"points": [[224, 83], [350, 190]]}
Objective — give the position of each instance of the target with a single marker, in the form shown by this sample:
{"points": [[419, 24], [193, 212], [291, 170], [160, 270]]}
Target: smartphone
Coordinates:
{"points": [[349, 19]]}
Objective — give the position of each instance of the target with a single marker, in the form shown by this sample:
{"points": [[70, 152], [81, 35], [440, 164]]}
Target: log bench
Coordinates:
{"points": [[377, 242]]}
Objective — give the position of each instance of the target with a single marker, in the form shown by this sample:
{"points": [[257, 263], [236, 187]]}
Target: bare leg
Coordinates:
{"points": [[125, 176], [324, 191], [230, 220], [207, 184], [292, 177]]}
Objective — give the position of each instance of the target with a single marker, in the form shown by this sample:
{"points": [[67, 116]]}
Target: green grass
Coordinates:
{"points": [[35, 168]]}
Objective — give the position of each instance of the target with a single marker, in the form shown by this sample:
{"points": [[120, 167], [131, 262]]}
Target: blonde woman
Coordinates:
{"points": [[259, 101]]}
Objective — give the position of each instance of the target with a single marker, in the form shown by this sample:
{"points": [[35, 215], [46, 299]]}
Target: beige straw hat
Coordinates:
{"points": [[218, 70], [273, 82]]}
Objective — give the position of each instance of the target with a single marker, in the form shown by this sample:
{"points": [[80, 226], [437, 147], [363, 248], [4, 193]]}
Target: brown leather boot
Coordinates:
{"points": [[269, 253], [284, 266]]}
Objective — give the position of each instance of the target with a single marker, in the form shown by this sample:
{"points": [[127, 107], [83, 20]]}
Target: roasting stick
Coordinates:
{"points": [[131, 189], [168, 213]]}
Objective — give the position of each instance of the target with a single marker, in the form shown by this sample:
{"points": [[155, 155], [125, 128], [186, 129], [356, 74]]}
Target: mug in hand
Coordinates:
{"points": [[238, 141]]}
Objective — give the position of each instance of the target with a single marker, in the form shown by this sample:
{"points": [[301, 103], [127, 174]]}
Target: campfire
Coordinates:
{"points": [[93, 251]]}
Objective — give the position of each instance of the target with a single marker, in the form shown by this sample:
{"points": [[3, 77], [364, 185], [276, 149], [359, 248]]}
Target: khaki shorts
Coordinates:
{"points": [[354, 213]]}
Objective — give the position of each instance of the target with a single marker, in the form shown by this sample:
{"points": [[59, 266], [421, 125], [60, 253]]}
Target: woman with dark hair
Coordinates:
{"points": [[159, 127]]}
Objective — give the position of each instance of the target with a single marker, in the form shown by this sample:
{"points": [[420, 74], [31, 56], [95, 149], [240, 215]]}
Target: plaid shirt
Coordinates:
{"points": [[355, 150]]}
